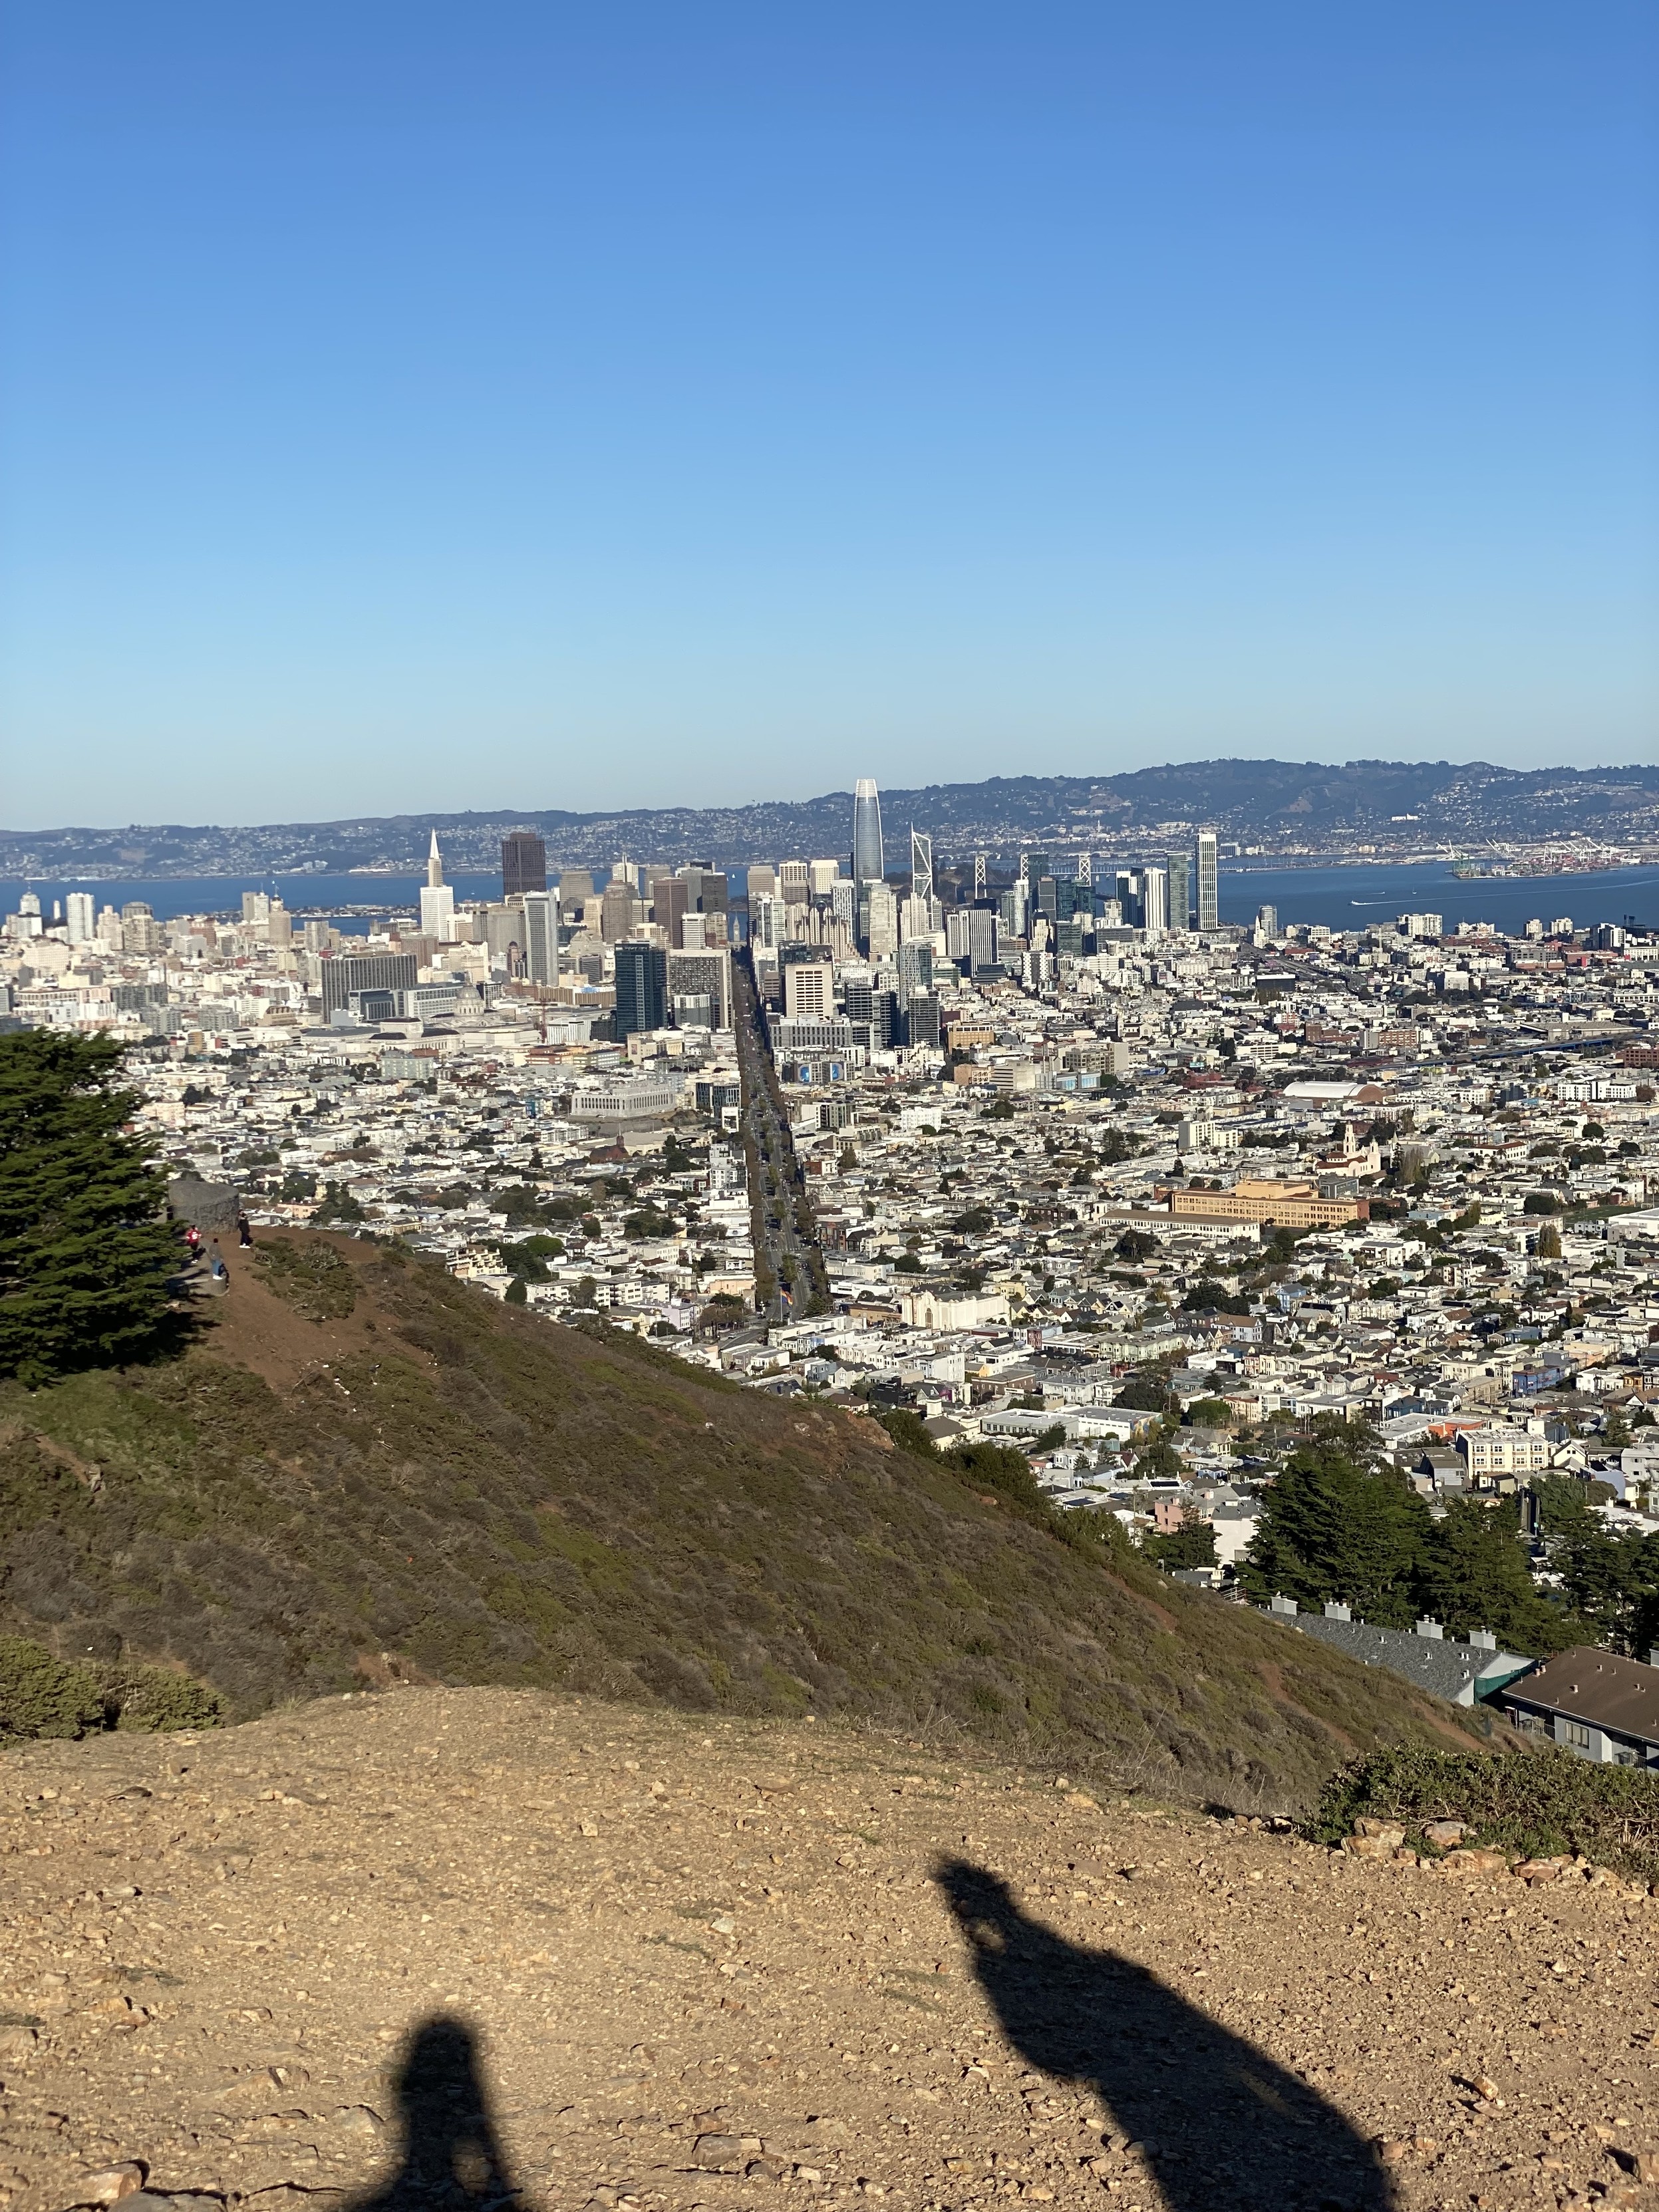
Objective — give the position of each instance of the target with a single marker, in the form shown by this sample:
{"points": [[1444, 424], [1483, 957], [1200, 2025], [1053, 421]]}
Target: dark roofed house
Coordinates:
{"points": [[1463, 1674], [1592, 1703]]}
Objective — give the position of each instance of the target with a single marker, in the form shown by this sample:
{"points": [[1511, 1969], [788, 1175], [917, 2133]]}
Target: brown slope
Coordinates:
{"points": [[488, 1498]]}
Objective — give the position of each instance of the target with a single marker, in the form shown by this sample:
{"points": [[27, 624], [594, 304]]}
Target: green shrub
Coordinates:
{"points": [[42, 1696], [311, 1277], [157, 1699], [1537, 1805]]}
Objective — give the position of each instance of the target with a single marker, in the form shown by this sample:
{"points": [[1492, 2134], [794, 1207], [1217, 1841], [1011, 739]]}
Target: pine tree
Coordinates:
{"points": [[86, 1251]]}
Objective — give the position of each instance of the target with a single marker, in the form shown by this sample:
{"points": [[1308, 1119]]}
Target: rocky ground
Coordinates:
{"points": [[423, 1943]]}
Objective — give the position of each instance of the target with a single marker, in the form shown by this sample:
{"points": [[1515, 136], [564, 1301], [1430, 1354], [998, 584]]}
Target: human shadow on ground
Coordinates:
{"points": [[1220, 2124], [450, 2153]]}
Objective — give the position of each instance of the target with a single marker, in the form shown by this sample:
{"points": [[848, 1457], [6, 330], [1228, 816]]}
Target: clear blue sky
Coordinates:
{"points": [[516, 404]]}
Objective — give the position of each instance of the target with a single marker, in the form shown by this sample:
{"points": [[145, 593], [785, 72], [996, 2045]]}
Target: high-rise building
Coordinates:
{"points": [[80, 910], [437, 900], [671, 902], [1267, 920], [921, 1020], [642, 986], [916, 967], [576, 888], [1209, 890], [883, 934], [256, 908], [809, 986], [541, 936], [869, 855], [1154, 901], [795, 882], [761, 881], [524, 864], [1179, 868], [347, 976], [621, 911], [922, 866], [699, 987], [823, 876]]}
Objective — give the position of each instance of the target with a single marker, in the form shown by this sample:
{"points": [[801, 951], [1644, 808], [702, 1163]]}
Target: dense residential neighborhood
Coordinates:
{"points": [[1050, 1163]]}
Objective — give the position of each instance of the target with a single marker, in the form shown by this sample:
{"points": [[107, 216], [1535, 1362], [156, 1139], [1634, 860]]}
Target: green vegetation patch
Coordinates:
{"points": [[311, 1277], [1533, 1804], [44, 1696]]}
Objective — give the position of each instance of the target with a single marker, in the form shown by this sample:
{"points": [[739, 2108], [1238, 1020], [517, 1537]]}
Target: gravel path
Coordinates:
{"points": [[434, 1944]]}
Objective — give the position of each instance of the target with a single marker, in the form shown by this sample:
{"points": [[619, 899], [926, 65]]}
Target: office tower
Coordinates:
{"points": [[823, 875], [437, 900], [576, 888], [982, 938], [921, 1021], [843, 901], [916, 968], [346, 975], [80, 910], [256, 908], [1033, 867], [699, 988], [707, 890], [922, 866], [1178, 868], [881, 934], [1154, 901], [620, 910], [279, 927], [1209, 895], [671, 902], [541, 936], [809, 985], [108, 931], [1267, 920], [761, 882], [869, 855], [642, 986], [795, 882], [524, 864]]}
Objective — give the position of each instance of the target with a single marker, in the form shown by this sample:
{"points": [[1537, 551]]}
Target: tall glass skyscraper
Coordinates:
{"points": [[869, 855], [1209, 902]]}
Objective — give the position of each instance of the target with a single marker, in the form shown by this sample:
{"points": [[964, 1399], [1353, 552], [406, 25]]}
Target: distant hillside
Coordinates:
{"points": [[435, 1485], [1250, 800]]}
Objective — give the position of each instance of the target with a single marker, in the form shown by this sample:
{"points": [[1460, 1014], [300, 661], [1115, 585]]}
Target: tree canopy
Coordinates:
{"points": [[1337, 1525], [86, 1249]]}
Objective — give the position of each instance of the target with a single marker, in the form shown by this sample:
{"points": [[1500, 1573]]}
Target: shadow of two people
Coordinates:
{"points": [[1230, 2128]]}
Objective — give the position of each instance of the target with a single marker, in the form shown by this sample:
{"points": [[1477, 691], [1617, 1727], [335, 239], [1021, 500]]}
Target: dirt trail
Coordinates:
{"points": [[450, 1944]]}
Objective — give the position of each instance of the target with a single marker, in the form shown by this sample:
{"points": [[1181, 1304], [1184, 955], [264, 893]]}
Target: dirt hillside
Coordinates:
{"points": [[367, 1468], [432, 1946]]}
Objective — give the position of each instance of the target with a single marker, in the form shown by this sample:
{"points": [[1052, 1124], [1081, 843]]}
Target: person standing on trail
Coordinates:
{"points": [[244, 1231]]}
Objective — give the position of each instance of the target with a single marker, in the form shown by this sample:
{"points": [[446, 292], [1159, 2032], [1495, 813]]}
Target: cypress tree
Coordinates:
{"points": [[1332, 1527], [86, 1251]]}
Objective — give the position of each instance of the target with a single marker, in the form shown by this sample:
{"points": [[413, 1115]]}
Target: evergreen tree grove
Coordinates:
{"points": [[86, 1251], [1332, 1526]]}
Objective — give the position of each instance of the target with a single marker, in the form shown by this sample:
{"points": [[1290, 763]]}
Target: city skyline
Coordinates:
{"points": [[541, 407]]}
